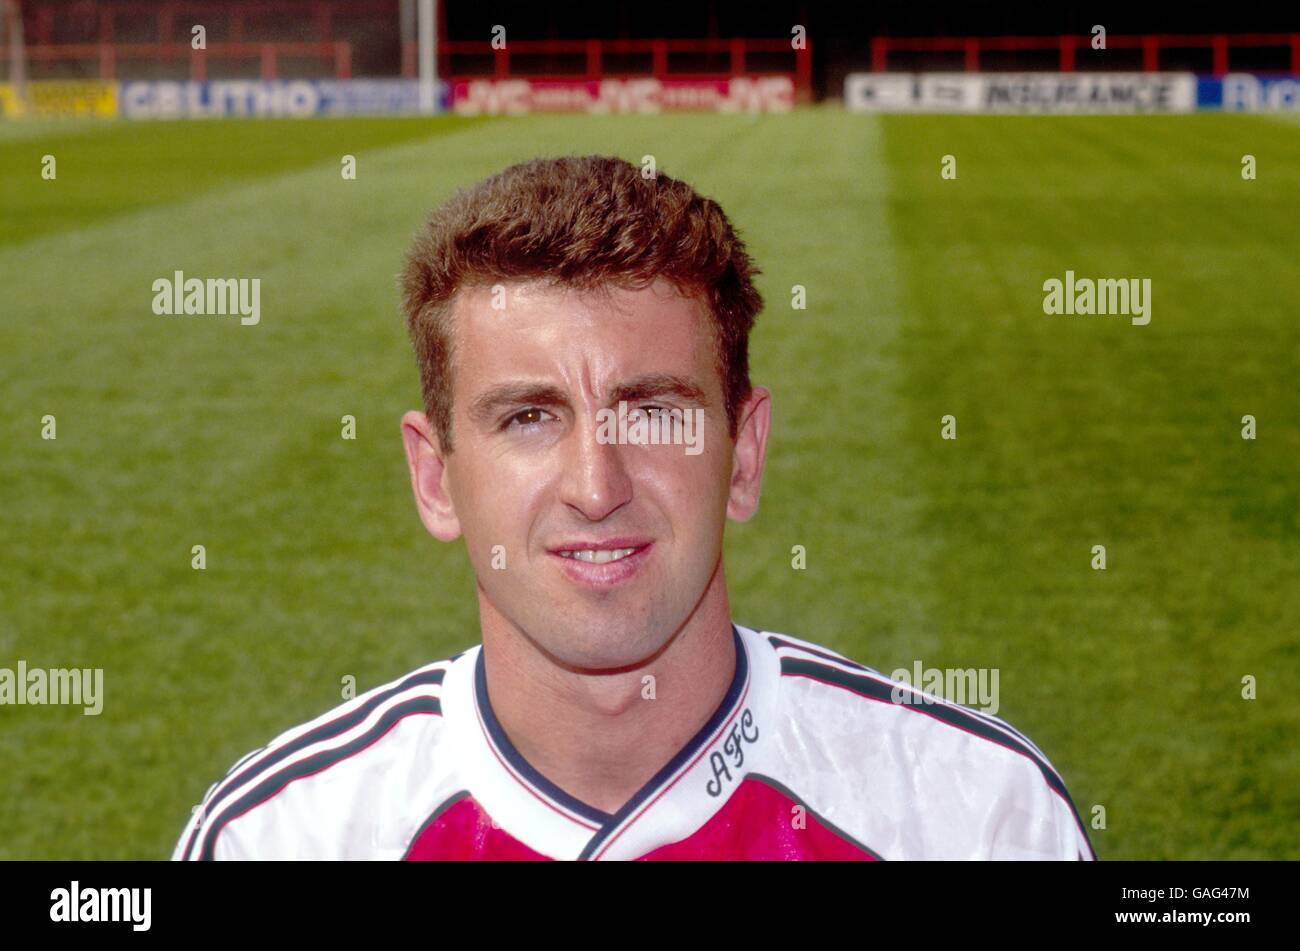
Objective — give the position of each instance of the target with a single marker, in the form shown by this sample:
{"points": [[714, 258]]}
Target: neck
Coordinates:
{"points": [[602, 736]]}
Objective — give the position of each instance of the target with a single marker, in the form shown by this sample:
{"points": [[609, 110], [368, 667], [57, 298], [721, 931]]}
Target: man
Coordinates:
{"points": [[613, 709]]}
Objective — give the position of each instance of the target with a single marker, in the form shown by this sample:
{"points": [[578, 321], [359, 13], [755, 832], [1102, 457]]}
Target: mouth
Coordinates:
{"points": [[597, 556], [601, 564]]}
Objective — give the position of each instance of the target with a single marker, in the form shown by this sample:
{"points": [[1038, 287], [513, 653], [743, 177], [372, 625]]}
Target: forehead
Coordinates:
{"points": [[537, 329]]}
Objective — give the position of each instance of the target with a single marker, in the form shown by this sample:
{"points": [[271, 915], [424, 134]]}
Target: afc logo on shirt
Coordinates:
{"points": [[742, 731]]}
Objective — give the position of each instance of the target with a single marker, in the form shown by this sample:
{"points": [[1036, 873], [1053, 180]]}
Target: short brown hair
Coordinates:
{"points": [[582, 222]]}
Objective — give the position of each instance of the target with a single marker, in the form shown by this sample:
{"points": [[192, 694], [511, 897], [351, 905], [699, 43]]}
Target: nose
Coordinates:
{"points": [[596, 482]]}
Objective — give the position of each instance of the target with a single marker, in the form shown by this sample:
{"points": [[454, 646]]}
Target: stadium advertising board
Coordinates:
{"points": [[298, 98], [647, 94], [1020, 92], [1244, 92], [58, 97]]}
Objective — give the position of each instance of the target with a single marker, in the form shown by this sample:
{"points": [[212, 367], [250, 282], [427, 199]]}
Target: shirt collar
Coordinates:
{"points": [[676, 801]]}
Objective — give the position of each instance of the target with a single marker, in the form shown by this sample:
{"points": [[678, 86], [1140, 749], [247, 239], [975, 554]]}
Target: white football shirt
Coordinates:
{"points": [[808, 756]]}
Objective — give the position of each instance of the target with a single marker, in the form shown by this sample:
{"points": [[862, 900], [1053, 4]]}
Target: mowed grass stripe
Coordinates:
{"points": [[840, 480], [105, 168], [1076, 431]]}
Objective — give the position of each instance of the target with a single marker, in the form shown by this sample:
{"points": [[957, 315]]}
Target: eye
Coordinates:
{"points": [[527, 419], [651, 410]]}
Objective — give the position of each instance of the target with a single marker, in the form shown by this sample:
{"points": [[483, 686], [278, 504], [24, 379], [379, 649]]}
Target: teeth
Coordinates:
{"points": [[601, 556]]}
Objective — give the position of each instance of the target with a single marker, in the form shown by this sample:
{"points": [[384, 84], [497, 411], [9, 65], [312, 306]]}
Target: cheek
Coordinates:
{"points": [[496, 497], [692, 490]]}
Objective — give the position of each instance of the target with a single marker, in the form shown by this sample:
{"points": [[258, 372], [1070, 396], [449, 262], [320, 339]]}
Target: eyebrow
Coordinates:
{"points": [[652, 385], [489, 405], [486, 407]]}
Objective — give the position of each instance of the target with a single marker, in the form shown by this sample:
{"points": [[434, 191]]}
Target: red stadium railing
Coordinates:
{"points": [[661, 53], [972, 47], [229, 22], [106, 56], [95, 38]]}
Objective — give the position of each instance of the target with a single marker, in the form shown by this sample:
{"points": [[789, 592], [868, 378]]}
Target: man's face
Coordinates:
{"points": [[607, 547]]}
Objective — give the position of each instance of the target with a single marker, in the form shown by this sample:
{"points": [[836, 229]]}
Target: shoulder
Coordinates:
{"points": [[935, 765], [298, 796]]}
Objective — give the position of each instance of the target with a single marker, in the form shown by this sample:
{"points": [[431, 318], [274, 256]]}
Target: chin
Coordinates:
{"points": [[608, 642]]}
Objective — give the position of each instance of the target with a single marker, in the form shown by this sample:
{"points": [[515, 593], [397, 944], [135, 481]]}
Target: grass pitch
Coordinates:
{"points": [[924, 299]]}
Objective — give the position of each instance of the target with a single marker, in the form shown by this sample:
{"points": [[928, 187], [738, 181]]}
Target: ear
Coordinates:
{"points": [[425, 459], [749, 455]]}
